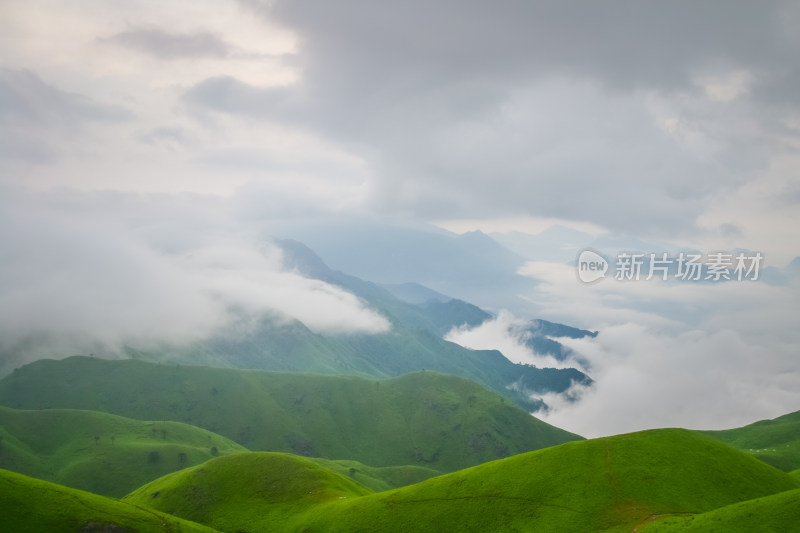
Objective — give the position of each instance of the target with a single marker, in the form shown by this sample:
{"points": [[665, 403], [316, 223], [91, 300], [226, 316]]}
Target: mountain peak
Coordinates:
{"points": [[297, 256]]}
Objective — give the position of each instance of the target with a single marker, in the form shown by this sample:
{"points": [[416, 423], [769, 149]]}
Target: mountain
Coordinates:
{"points": [[34, 506], [101, 453], [556, 244], [425, 419], [619, 483], [471, 267], [776, 441], [414, 293], [414, 343]]}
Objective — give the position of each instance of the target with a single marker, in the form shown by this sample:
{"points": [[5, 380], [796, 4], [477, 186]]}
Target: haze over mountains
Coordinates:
{"points": [[302, 265]]}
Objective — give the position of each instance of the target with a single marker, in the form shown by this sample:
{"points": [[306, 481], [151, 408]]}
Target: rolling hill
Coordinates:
{"points": [[99, 452], [247, 492], [610, 484], [777, 513], [34, 506], [425, 419], [776, 441]]}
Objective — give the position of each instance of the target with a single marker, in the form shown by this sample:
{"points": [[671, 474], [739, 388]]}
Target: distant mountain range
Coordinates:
{"points": [[473, 266], [414, 343]]}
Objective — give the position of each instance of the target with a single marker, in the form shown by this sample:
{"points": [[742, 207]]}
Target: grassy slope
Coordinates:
{"points": [[415, 342], [253, 491], [59, 445], [379, 478], [293, 348], [778, 513], [34, 506], [776, 441], [424, 419], [604, 484]]}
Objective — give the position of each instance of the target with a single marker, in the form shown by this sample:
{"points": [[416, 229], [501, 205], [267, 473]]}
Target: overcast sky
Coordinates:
{"points": [[154, 142]]}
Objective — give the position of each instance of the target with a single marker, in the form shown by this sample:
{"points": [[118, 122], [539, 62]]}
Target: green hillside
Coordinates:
{"points": [[99, 452], [414, 343], [778, 513], [776, 441], [292, 347], [33, 506], [378, 478], [425, 419], [609, 484], [252, 492]]}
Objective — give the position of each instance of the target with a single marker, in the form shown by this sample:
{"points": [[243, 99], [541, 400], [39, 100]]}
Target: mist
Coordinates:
{"points": [[675, 355], [77, 280], [507, 333]]}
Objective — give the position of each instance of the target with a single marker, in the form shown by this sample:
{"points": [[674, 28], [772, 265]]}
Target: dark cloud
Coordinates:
{"points": [[227, 94], [165, 45], [622, 42], [38, 120], [477, 109]]}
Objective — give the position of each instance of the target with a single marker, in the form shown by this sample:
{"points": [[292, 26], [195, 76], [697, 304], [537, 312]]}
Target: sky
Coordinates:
{"points": [[146, 148]]}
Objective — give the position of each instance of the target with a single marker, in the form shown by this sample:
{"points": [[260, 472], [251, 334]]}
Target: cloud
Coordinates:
{"points": [[699, 380], [227, 94], [660, 121], [674, 353], [509, 335], [564, 107], [76, 278], [162, 44], [622, 44], [38, 121]]}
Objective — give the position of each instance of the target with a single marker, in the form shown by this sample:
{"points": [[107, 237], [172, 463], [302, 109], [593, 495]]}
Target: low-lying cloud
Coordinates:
{"points": [[72, 280], [673, 354], [509, 334]]}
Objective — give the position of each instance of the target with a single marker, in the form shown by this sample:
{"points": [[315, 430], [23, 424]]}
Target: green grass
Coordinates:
{"points": [[776, 441], [30, 505], [378, 478], [414, 343], [99, 452], [424, 419], [779, 513], [609, 484], [252, 491]]}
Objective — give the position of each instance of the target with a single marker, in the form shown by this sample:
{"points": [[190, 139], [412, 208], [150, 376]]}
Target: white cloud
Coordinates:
{"points": [[677, 353], [506, 333], [698, 379], [96, 270]]}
